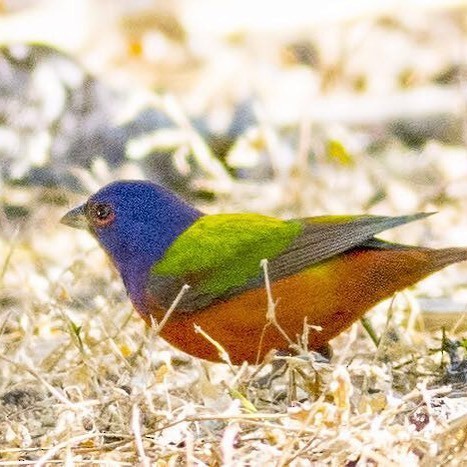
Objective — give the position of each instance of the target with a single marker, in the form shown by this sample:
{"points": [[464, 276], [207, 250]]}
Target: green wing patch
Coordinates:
{"points": [[224, 250]]}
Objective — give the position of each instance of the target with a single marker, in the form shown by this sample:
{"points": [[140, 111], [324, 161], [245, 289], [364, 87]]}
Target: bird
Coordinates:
{"points": [[248, 283]]}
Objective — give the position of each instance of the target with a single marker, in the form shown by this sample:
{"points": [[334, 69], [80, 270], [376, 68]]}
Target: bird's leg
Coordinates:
{"points": [[278, 369], [326, 352]]}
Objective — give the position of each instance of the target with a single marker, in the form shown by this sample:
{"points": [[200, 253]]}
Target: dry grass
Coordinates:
{"points": [[84, 382]]}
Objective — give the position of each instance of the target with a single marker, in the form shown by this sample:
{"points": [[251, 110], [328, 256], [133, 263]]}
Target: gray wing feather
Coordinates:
{"points": [[322, 240]]}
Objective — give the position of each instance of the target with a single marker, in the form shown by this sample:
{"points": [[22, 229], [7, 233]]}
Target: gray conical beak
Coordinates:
{"points": [[75, 218]]}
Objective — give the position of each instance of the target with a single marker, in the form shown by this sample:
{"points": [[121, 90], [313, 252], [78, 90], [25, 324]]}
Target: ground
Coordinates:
{"points": [[299, 109]]}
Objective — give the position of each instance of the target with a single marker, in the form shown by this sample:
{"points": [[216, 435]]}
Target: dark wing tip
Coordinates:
{"points": [[414, 217], [421, 215]]}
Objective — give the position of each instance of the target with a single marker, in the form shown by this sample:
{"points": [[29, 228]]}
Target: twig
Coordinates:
{"points": [[369, 329], [53, 451], [271, 312], [7, 260], [136, 427], [158, 326], [55, 392], [223, 354]]}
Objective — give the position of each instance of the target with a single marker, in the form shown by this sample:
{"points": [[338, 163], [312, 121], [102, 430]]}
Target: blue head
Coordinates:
{"points": [[135, 222]]}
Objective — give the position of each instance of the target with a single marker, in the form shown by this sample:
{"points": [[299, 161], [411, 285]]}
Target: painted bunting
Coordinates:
{"points": [[324, 272]]}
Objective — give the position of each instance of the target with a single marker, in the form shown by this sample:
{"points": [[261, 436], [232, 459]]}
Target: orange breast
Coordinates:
{"points": [[331, 295]]}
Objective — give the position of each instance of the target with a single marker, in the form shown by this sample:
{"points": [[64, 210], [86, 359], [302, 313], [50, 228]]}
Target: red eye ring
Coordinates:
{"points": [[101, 214]]}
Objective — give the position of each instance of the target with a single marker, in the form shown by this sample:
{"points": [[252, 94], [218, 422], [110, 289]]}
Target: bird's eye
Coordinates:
{"points": [[101, 214]]}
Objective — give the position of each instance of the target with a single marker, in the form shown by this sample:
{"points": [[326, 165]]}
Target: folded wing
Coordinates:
{"points": [[219, 256]]}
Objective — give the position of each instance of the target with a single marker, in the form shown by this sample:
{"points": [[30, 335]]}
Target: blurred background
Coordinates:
{"points": [[359, 102], [289, 108]]}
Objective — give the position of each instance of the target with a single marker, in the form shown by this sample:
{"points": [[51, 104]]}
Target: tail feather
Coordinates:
{"points": [[439, 258], [446, 256]]}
